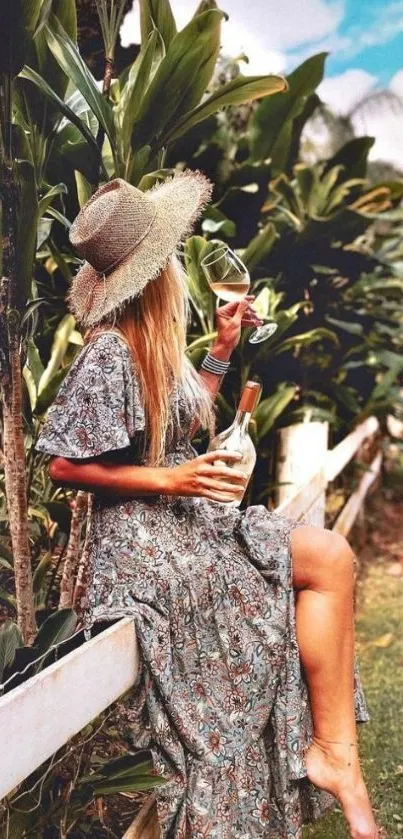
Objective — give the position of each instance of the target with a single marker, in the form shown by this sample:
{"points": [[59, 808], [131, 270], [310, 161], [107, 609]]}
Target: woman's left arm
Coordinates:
{"points": [[229, 321]]}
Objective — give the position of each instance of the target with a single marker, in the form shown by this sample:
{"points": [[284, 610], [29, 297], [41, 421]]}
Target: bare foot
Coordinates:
{"points": [[327, 768]]}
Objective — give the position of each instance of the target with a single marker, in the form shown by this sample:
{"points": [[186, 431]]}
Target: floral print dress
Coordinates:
{"points": [[220, 699]]}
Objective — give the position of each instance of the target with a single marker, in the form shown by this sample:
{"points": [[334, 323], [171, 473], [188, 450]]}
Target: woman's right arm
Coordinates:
{"points": [[197, 477]]}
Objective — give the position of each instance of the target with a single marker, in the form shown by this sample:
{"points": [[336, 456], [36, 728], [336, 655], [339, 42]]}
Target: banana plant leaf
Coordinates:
{"points": [[272, 123], [157, 14], [69, 59], [237, 92], [180, 81], [133, 91], [43, 113], [44, 87]]}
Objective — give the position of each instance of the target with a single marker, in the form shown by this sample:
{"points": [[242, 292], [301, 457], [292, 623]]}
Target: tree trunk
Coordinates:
{"points": [[84, 569], [11, 388], [72, 553]]}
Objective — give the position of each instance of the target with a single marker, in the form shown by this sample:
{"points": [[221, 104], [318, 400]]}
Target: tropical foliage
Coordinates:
{"points": [[323, 246]]}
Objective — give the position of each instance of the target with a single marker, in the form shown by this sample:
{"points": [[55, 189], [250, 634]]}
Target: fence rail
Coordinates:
{"points": [[86, 681]]}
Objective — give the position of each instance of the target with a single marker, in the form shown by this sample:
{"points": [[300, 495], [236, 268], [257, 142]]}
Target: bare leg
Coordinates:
{"points": [[324, 578]]}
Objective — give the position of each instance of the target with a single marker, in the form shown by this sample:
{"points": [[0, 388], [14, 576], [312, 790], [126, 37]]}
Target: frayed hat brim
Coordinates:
{"points": [[179, 202]]}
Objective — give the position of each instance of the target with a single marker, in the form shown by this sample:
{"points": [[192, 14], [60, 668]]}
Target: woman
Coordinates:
{"points": [[247, 696]]}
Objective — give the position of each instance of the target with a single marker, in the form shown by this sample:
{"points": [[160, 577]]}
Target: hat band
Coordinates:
{"points": [[129, 250]]}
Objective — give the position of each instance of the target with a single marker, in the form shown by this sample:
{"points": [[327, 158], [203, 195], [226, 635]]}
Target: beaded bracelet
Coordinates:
{"points": [[215, 365]]}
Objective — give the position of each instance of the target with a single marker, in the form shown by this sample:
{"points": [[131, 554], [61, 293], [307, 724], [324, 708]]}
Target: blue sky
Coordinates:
{"points": [[364, 39], [382, 59]]}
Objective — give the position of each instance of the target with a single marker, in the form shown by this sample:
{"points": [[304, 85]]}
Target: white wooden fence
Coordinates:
{"points": [[41, 715]]}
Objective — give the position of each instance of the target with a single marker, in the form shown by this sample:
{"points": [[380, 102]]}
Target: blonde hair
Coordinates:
{"points": [[154, 325]]}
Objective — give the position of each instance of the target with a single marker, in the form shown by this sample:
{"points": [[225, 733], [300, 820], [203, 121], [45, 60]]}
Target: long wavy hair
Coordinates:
{"points": [[154, 325]]}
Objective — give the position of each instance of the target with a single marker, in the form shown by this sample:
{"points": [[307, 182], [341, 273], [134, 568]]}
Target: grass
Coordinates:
{"points": [[380, 648]]}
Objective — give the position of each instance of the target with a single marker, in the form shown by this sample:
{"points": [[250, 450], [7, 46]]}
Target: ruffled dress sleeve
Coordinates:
{"points": [[98, 407]]}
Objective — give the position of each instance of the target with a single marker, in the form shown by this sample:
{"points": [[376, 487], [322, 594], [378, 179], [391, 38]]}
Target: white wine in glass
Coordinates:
{"points": [[229, 279]]}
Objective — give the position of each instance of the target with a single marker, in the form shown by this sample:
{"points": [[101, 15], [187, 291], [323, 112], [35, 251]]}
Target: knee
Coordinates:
{"points": [[321, 555]]}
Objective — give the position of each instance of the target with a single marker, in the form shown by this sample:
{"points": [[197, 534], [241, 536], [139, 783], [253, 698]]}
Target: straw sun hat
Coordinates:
{"points": [[127, 237]]}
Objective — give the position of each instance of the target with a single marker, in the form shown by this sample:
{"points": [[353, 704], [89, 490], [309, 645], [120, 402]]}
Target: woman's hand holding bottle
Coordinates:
{"points": [[201, 478]]}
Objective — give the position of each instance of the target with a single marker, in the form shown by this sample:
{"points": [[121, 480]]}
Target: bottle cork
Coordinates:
{"points": [[250, 396]]}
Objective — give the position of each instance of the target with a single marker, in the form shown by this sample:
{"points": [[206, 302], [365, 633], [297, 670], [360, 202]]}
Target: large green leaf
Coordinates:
{"points": [[10, 639], [55, 629], [44, 113], [305, 339], [348, 326], [69, 59], [130, 783], [270, 409], [133, 91], [18, 20], [205, 5], [41, 571], [25, 245], [34, 361], [58, 351], [157, 14], [260, 246], [140, 762], [353, 156], [47, 199], [180, 81], [202, 298], [44, 87], [272, 123], [237, 92]]}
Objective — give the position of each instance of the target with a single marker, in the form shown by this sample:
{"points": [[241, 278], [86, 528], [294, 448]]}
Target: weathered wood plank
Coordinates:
{"points": [[304, 497], [302, 452], [38, 717], [337, 458], [146, 824], [350, 511]]}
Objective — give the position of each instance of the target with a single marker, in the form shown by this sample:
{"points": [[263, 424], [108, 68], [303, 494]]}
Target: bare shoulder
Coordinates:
{"points": [[311, 540]]}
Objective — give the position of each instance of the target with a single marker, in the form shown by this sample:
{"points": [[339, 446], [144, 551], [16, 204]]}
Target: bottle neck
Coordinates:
{"points": [[242, 420]]}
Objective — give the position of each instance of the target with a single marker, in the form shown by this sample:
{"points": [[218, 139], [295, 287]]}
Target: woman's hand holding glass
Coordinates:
{"points": [[230, 319], [201, 478], [229, 279]]}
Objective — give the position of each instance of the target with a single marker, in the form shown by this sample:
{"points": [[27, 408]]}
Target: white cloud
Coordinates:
{"points": [[396, 83], [258, 27], [378, 116], [342, 92]]}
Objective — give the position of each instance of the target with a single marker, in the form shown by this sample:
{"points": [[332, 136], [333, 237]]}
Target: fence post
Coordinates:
{"points": [[302, 451]]}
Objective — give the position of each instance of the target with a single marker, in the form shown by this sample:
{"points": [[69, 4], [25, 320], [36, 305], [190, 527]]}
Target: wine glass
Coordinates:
{"points": [[229, 279]]}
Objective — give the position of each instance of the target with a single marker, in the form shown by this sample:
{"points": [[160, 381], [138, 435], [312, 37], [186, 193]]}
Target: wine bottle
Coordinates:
{"points": [[236, 438]]}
